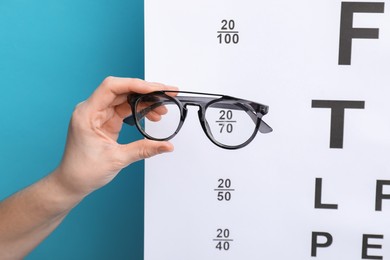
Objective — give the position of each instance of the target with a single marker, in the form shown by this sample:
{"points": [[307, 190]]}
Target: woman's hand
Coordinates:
{"points": [[92, 156]]}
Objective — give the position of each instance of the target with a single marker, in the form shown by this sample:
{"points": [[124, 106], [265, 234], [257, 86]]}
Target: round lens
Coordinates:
{"points": [[229, 123], [161, 113]]}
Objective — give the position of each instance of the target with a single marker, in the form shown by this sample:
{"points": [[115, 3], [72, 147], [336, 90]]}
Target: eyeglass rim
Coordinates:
{"points": [[209, 134], [133, 100], [138, 121]]}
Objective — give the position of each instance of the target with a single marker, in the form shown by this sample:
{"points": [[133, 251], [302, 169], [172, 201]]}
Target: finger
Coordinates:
{"points": [[155, 114], [123, 110], [160, 86], [112, 127], [172, 94], [154, 117], [119, 100], [161, 110], [112, 87], [143, 149]]}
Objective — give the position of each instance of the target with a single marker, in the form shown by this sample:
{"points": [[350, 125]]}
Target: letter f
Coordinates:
{"points": [[347, 32]]}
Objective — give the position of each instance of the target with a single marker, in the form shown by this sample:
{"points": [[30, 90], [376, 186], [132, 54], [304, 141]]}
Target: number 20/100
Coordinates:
{"points": [[228, 38]]}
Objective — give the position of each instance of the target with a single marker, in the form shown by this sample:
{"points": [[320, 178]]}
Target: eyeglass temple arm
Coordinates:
{"points": [[264, 127], [130, 120]]}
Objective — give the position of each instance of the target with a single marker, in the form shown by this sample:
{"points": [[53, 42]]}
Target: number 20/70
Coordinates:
{"points": [[225, 124]]}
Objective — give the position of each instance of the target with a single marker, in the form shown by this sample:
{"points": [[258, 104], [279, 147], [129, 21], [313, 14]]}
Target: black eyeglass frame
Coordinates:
{"points": [[255, 110]]}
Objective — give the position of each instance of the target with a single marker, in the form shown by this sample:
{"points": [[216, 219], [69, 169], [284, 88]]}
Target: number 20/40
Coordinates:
{"points": [[223, 234], [225, 245]]}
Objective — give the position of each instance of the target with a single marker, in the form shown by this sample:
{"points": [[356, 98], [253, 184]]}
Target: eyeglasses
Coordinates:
{"points": [[228, 122]]}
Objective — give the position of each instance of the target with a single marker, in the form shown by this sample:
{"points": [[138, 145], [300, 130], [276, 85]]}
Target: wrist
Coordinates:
{"points": [[63, 195]]}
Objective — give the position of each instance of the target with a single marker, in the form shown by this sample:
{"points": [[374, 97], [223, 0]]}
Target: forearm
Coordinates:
{"points": [[29, 216], [92, 158]]}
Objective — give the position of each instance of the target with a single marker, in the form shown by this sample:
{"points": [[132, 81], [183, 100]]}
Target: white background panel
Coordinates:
{"points": [[286, 57]]}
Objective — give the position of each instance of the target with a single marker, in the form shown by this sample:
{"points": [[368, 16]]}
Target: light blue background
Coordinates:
{"points": [[52, 55]]}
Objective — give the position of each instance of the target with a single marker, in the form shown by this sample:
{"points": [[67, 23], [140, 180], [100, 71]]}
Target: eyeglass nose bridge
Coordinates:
{"points": [[201, 114], [201, 107]]}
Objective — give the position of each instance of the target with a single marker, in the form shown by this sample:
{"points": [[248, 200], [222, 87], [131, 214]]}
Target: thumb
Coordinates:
{"points": [[143, 149]]}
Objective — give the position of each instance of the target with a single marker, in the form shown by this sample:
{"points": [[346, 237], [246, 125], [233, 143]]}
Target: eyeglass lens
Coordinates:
{"points": [[232, 126], [162, 115]]}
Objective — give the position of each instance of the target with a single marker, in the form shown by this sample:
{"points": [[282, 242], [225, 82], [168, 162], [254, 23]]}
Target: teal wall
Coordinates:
{"points": [[52, 55]]}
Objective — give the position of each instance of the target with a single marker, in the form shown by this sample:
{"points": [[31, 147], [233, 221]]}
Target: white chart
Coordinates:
{"points": [[318, 186]]}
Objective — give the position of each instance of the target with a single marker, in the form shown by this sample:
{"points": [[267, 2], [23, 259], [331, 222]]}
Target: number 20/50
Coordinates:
{"points": [[224, 195], [224, 184]]}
